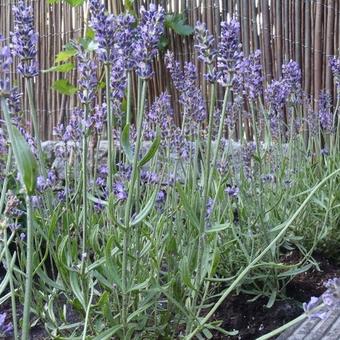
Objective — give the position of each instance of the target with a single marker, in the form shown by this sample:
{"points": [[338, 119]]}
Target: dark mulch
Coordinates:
{"points": [[253, 319]]}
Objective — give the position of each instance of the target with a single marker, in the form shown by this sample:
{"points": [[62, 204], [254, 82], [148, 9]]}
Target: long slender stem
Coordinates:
{"points": [[29, 271], [5, 182], [34, 117], [206, 189], [128, 99], [128, 207], [84, 185], [109, 129]]}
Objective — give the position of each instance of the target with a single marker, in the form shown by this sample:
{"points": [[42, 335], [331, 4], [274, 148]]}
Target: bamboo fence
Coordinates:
{"points": [[307, 31]]}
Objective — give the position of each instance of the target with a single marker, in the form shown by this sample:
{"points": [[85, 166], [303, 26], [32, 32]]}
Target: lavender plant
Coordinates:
{"points": [[149, 241]]}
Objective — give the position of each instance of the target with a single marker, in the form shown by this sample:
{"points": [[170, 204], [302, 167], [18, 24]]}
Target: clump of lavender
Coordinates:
{"points": [[248, 80], [97, 119], [25, 40], [160, 115], [228, 51], [291, 75], [325, 114], [232, 191], [185, 82], [276, 95], [149, 33]]}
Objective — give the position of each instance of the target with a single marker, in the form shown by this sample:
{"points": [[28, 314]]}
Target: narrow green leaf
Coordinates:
{"points": [[125, 142], [151, 152], [67, 67], [96, 200], [63, 86], [145, 211], [218, 227], [108, 333], [76, 289], [27, 164], [188, 209]]}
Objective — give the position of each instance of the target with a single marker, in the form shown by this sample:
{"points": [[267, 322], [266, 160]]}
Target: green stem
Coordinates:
{"points": [[206, 189], [259, 257], [128, 99], [128, 208], [29, 271], [84, 185], [109, 129], [220, 131], [5, 183]]}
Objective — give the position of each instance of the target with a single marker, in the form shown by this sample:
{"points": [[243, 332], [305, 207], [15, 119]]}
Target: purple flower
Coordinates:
{"points": [[185, 82], [248, 76], [228, 51], [291, 74], [97, 120], [204, 44], [149, 33], [232, 191], [87, 76], [313, 303], [12, 208], [160, 115], [118, 84], [325, 114], [119, 191], [25, 40], [105, 27], [5, 62], [334, 64]]}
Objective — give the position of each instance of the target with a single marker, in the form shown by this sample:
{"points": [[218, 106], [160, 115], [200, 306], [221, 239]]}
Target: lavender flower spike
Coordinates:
{"points": [[325, 114], [228, 51], [204, 44], [149, 33], [25, 40]]}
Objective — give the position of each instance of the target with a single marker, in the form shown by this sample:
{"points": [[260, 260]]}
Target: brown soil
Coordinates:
{"points": [[253, 319]]}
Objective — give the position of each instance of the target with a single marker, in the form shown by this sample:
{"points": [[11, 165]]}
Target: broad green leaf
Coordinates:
{"points": [[152, 151], [27, 164], [177, 23], [185, 272], [125, 142], [63, 86], [75, 2], [65, 55], [90, 33], [60, 68], [145, 211]]}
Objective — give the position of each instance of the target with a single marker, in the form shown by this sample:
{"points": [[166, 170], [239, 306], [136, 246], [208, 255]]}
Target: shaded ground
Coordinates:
{"points": [[253, 319]]}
